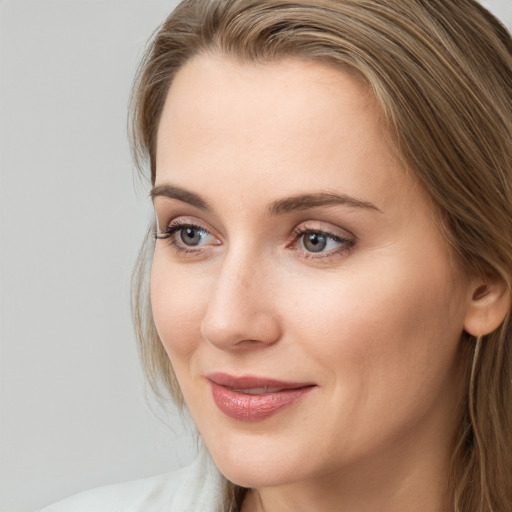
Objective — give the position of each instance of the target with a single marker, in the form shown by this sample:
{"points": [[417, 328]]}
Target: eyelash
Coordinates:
{"points": [[298, 233]]}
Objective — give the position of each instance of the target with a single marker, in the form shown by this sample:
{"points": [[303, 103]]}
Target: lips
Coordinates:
{"points": [[251, 399]]}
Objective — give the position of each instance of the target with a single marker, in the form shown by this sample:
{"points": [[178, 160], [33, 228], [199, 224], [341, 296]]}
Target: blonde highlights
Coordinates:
{"points": [[442, 73]]}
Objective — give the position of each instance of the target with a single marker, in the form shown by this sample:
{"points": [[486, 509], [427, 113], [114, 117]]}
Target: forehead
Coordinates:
{"points": [[293, 124], [207, 83]]}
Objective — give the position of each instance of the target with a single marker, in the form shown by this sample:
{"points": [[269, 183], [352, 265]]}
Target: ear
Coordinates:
{"points": [[490, 304]]}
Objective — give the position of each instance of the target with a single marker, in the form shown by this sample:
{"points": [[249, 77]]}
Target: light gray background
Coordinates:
{"points": [[73, 410]]}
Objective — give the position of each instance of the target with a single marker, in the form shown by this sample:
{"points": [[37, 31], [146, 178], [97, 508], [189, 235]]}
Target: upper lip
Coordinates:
{"points": [[254, 382]]}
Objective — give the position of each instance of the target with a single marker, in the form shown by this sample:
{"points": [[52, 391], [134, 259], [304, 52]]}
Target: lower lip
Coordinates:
{"points": [[251, 408]]}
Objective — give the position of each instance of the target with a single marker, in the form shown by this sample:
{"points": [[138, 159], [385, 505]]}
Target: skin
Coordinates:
{"points": [[374, 321]]}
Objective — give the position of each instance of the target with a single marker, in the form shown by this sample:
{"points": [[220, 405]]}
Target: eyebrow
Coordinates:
{"points": [[181, 194], [299, 202], [308, 201]]}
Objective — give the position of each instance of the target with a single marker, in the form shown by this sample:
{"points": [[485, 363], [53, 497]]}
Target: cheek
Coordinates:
{"points": [[383, 325], [178, 302]]}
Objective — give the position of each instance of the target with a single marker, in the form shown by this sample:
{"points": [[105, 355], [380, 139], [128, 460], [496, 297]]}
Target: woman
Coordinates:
{"points": [[332, 256]]}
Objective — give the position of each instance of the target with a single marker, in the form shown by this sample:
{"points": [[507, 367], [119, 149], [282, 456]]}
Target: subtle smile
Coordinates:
{"points": [[251, 399]]}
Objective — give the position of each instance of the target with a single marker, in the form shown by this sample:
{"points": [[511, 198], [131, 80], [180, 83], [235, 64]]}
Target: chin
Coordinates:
{"points": [[255, 476], [257, 466]]}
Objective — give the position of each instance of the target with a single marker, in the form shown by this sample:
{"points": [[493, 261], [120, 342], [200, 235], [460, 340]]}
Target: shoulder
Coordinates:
{"points": [[197, 487], [127, 496]]}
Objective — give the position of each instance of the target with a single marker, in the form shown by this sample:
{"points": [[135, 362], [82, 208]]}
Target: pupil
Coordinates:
{"points": [[315, 242], [190, 236]]}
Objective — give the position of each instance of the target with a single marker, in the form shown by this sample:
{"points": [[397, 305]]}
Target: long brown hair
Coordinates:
{"points": [[442, 73]]}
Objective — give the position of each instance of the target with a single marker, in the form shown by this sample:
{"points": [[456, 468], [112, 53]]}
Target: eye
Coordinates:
{"points": [[184, 236], [192, 235], [316, 242], [319, 243]]}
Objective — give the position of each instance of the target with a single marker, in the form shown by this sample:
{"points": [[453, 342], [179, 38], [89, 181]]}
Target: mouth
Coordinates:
{"points": [[257, 391], [251, 399]]}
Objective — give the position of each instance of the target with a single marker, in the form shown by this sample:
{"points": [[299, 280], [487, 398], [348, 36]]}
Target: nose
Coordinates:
{"points": [[241, 311]]}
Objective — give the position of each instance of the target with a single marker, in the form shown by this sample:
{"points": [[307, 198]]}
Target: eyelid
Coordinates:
{"points": [[168, 210], [326, 228], [184, 220]]}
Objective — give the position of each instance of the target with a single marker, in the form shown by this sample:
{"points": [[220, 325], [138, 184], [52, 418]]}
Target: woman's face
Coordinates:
{"points": [[302, 288]]}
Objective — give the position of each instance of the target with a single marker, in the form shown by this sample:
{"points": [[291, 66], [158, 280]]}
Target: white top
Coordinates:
{"points": [[196, 488]]}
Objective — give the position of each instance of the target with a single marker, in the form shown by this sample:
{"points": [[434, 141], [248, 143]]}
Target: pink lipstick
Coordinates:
{"points": [[253, 399]]}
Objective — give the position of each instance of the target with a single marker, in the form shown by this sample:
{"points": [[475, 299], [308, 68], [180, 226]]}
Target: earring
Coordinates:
{"points": [[476, 355], [471, 397]]}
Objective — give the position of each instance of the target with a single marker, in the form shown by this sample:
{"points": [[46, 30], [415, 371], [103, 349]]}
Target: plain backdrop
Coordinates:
{"points": [[74, 413]]}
